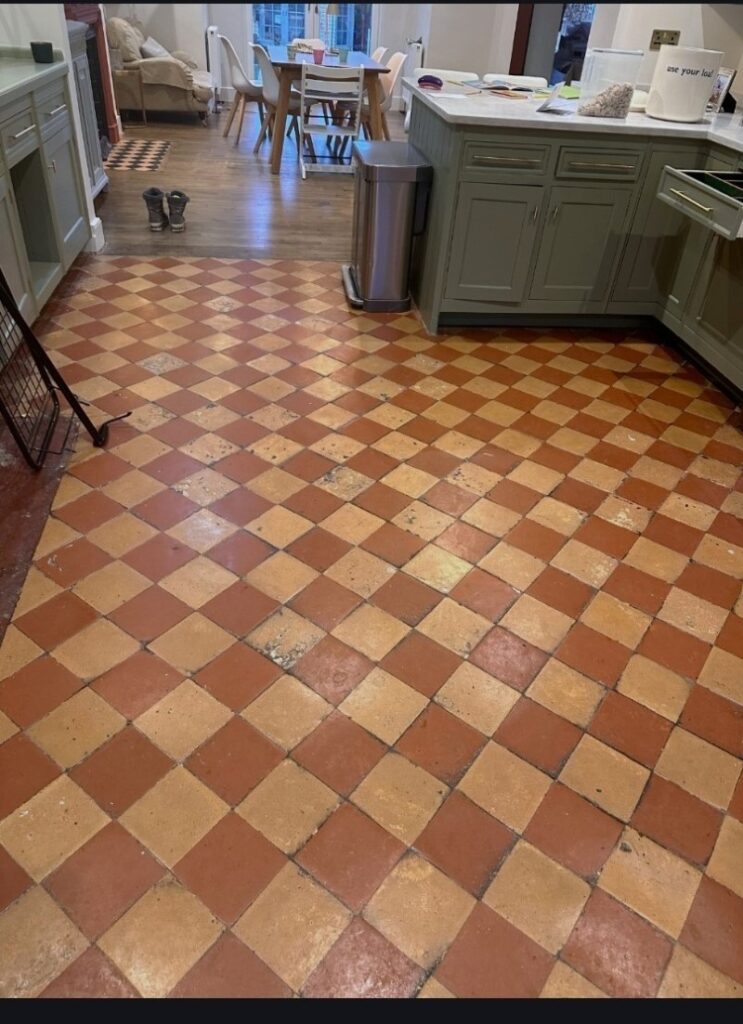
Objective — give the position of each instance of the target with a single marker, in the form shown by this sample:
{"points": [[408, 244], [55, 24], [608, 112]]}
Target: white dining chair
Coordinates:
{"points": [[246, 91], [381, 54], [446, 76], [395, 64], [329, 86], [270, 82]]}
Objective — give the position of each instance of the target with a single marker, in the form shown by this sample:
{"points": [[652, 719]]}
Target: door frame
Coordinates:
{"points": [[310, 17]]}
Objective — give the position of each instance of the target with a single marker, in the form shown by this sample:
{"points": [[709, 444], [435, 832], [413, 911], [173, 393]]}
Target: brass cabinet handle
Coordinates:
{"points": [[693, 202], [19, 135], [587, 166], [501, 161], [51, 113]]}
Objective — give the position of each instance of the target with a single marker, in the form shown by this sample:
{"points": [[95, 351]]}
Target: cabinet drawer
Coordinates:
{"points": [[52, 111], [599, 165], [492, 161], [714, 199], [19, 133]]}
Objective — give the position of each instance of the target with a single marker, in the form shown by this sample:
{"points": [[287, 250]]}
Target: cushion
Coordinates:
{"points": [[151, 48], [127, 38]]}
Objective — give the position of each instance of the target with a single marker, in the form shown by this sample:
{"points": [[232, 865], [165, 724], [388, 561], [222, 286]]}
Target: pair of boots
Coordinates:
{"points": [[155, 200]]}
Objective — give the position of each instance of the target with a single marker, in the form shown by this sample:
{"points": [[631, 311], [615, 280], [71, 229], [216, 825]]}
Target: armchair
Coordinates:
{"points": [[170, 82]]}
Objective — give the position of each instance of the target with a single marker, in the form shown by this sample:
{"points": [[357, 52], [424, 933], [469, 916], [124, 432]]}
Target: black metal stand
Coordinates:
{"points": [[30, 386]]}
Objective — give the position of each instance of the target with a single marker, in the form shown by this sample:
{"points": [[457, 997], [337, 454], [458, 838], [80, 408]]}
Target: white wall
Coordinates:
{"points": [[175, 26], [714, 26], [233, 21], [19, 24], [471, 37]]}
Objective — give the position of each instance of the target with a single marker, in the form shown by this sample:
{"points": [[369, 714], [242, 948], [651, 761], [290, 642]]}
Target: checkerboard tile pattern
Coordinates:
{"points": [[364, 662]]}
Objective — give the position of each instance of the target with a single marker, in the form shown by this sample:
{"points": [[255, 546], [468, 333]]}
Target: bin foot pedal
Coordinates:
{"points": [[350, 287]]}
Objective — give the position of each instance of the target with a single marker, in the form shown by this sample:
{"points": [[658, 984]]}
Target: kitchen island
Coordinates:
{"points": [[544, 219]]}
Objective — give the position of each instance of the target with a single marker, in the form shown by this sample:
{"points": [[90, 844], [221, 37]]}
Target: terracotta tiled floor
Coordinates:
{"points": [[368, 663]]}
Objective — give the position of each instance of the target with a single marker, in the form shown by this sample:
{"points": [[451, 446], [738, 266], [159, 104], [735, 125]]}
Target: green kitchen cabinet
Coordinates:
{"points": [[12, 255], [715, 310], [66, 196], [657, 238], [580, 244], [495, 230]]}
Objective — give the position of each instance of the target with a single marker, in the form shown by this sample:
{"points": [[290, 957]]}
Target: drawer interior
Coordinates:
{"points": [[727, 183]]}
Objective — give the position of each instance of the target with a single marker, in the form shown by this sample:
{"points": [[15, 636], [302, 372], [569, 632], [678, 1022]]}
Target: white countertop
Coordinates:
{"points": [[456, 106]]}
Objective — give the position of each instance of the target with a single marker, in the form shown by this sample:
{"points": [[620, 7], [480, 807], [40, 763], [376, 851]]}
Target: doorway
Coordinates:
{"points": [[551, 40]]}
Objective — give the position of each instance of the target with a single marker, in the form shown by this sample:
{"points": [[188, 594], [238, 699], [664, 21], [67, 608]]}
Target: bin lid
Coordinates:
{"points": [[391, 161]]}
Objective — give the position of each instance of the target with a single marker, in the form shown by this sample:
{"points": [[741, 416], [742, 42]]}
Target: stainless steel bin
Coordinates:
{"points": [[392, 183]]}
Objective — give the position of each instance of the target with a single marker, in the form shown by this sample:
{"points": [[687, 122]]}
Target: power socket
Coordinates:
{"points": [[664, 37]]}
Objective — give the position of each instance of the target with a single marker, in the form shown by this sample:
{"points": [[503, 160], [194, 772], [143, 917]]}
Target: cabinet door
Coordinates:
{"points": [[86, 106], [494, 234], [68, 207], [12, 254], [656, 241], [580, 243], [715, 310]]}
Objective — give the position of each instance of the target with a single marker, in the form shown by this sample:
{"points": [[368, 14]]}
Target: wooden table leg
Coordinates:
{"points": [[374, 93], [279, 125]]}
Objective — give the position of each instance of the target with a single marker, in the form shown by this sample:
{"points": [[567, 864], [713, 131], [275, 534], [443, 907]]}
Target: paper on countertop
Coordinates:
{"points": [[554, 104]]}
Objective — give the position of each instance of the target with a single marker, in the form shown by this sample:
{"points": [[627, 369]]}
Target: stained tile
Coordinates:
{"points": [[362, 964], [616, 950], [37, 941]]}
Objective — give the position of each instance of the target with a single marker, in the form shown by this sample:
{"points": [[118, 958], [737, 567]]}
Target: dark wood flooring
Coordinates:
{"points": [[238, 209]]}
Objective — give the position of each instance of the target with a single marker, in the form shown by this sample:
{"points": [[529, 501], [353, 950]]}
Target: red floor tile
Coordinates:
{"points": [[234, 760], [441, 743], [492, 959], [573, 832], [616, 950], [229, 970], [363, 964], [465, 842], [538, 735], [229, 867]]}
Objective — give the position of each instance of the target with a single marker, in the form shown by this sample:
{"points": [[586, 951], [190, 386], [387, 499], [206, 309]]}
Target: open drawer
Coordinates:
{"points": [[713, 198]]}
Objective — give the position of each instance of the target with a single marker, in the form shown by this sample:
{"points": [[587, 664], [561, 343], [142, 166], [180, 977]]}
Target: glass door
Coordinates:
{"points": [[278, 24], [347, 25]]}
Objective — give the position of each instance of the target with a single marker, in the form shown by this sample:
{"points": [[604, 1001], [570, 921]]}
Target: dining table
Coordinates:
{"points": [[290, 71]]}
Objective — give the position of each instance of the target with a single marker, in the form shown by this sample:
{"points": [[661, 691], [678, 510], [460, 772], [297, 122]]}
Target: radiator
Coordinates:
{"points": [[214, 58], [414, 50]]}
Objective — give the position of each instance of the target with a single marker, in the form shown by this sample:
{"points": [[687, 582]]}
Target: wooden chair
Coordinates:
{"points": [[246, 91]]}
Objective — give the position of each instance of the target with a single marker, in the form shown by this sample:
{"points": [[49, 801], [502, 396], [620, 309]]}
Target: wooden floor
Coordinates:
{"points": [[238, 208]]}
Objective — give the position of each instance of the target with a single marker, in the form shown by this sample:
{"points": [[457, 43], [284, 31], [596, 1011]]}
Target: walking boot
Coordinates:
{"points": [[176, 205], [155, 197]]}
